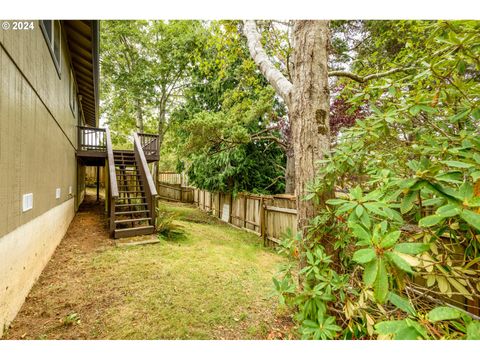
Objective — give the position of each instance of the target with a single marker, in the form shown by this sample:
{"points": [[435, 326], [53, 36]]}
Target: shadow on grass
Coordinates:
{"points": [[176, 236]]}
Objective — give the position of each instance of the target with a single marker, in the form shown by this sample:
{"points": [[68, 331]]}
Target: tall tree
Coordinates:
{"points": [[307, 99], [145, 70]]}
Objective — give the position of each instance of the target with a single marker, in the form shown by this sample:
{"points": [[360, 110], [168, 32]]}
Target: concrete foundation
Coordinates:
{"points": [[24, 253]]}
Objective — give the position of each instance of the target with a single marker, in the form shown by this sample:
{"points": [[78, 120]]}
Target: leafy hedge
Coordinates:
{"points": [[396, 254]]}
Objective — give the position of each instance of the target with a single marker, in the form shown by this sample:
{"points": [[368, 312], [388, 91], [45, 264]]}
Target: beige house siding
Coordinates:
{"points": [[37, 155], [37, 127]]}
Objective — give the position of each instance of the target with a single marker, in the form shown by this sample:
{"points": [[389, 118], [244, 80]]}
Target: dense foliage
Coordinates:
{"points": [[399, 244], [145, 69], [227, 135]]}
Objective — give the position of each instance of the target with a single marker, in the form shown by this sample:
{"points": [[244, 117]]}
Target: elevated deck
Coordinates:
{"points": [[92, 146]]}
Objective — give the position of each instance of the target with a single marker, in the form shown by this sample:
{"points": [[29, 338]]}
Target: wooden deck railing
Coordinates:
{"points": [[112, 183], [91, 139], [149, 144], [150, 190]]}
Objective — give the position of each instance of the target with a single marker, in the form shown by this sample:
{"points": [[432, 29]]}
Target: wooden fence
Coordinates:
{"points": [[175, 192], [173, 178], [266, 216]]}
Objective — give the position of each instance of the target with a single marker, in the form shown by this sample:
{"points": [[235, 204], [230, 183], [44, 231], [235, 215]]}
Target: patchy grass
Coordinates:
{"points": [[212, 282]]}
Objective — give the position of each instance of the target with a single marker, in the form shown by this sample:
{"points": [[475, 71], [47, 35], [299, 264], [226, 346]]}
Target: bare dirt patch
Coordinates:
{"points": [[212, 283]]}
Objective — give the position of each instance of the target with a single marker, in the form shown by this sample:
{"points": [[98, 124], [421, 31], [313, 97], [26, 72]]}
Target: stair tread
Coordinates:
{"points": [[133, 231], [131, 212], [125, 205], [131, 198], [132, 220], [136, 227]]}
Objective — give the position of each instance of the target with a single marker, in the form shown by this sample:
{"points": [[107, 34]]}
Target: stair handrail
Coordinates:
{"points": [[147, 145], [111, 166], [150, 189]]}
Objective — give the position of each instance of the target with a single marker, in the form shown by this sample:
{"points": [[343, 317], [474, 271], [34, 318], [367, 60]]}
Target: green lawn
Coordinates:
{"points": [[213, 281]]}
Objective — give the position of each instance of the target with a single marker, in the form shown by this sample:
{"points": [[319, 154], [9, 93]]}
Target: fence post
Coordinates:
{"points": [[262, 221], [230, 218], [204, 206], [244, 210]]}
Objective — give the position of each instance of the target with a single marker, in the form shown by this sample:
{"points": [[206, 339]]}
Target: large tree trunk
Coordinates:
{"points": [[307, 99], [309, 109], [290, 171]]}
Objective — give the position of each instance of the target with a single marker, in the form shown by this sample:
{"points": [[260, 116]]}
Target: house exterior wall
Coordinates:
{"points": [[37, 155]]}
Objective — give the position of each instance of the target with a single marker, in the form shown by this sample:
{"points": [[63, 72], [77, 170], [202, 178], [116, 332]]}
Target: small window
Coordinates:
{"points": [[52, 31]]}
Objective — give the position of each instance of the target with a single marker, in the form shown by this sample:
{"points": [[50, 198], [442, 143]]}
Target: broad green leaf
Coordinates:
{"points": [[454, 177], [430, 220], [476, 113], [373, 195], [394, 215], [448, 210], [407, 202], [471, 217], [411, 248], [365, 219], [443, 313], [390, 239], [401, 303], [359, 210], [476, 157], [399, 262], [475, 175], [370, 272], [390, 327], [356, 192], [457, 164], [466, 190], [407, 333], [407, 183], [375, 208], [336, 201], [427, 109], [459, 116], [420, 328], [474, 202], [415, 109], [473, 330], [360, 232], [381, 282], [345, 207], [433, 202], [364, 256]]}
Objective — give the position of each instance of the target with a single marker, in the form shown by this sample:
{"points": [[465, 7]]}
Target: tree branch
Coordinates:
{"points": [[364, 79], [278, 141], [280, 83]]}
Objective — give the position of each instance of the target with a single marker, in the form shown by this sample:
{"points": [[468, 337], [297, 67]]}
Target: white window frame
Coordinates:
{"points": [[55, 25]]}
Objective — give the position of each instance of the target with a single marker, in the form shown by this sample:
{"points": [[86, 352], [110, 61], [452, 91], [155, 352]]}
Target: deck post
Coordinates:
{"points": [[98, 183]]}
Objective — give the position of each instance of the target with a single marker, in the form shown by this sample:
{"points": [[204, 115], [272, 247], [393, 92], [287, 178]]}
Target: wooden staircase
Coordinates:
{"points": [[131, 191], [132, 215]]}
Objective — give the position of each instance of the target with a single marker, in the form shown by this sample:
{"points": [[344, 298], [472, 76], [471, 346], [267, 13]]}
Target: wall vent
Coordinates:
{"points": [[27, 202]]}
